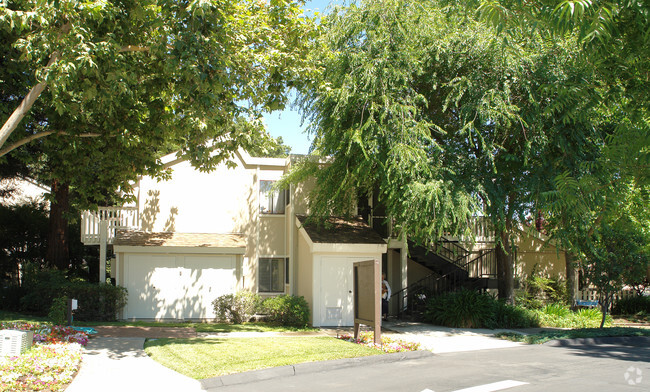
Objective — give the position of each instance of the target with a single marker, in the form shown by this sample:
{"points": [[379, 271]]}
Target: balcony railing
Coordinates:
{"points": [[116, 218]]}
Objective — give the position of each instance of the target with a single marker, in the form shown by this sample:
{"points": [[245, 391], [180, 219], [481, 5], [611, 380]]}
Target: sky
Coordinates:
{"points": [[287, 123]]}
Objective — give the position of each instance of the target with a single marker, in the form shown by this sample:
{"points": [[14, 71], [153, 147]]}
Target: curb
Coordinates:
{"points": [[213, 383], [624, 340]]}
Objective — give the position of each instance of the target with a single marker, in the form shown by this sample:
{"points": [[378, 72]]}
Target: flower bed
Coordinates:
{"points": [[49, 365], [46, 333], [388, 345], [46, 367]]}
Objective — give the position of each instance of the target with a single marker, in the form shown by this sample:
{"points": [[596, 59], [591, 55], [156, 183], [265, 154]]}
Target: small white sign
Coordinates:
{"points": [[74, 304]]}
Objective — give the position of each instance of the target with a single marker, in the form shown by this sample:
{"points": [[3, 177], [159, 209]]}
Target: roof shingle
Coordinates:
{"points": [[205, 240]]}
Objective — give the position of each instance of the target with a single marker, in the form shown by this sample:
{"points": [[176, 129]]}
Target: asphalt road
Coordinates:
{"points": [[606, 364]]}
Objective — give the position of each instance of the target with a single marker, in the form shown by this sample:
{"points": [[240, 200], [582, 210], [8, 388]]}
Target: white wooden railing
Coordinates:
{"points": [[116, 217]]}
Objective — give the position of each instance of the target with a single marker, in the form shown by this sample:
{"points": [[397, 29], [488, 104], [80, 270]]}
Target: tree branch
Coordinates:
{"points": [[35, 136], [26, 104], [134, 48]]}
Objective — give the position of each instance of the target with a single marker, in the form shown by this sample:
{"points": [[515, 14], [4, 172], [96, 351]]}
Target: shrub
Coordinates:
{"points": [[41, 287], [58, 311], [632, 305], [560, 316], [471, 309], [236, 308], [541, 290], [287, 310], [96, 302], [508, 316]]}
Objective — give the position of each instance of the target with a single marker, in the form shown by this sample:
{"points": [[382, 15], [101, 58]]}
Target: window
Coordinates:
{"points": [[272, 201], [272, 275]]}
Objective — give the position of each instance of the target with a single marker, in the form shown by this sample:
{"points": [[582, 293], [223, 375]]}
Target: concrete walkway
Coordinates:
{"points": [[118, 362], [121, 365], [444, 340]]}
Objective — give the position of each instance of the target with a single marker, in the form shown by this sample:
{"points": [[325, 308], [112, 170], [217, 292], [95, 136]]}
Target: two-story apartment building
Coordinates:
{"points": [[197, 235]]}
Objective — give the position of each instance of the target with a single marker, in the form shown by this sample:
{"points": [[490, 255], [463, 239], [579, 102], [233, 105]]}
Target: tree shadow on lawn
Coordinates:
{"points": [[630, 348]]}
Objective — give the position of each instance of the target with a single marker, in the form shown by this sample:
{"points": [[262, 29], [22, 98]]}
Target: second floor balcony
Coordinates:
{"points": [[114, 218]]}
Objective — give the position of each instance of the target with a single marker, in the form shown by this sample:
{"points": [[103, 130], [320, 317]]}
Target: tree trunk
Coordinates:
{"points": [[58, 254], [505, 273], [604, 306], [571, 279]]}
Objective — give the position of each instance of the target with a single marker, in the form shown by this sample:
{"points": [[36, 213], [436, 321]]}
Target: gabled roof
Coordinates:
{"points": [[336, 230]]}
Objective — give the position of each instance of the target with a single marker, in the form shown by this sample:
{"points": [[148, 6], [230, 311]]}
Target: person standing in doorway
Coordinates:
{"points": [[385, 296]]}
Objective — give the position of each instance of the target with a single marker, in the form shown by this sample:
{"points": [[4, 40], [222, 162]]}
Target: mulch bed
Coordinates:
{"points": [[144, 332]]}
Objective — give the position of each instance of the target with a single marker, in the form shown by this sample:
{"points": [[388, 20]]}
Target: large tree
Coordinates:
{"points": [[424, 104], [605, 180], [108, 87]]}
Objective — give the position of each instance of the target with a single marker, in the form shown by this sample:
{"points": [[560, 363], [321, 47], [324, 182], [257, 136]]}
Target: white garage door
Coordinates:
{"points": [[176, 286]]}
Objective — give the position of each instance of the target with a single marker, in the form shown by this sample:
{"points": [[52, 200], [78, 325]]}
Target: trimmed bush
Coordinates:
{"points": [[236, 308], [471, 309], [97, 302], [632, 305], [58, 311], [287, 310]]}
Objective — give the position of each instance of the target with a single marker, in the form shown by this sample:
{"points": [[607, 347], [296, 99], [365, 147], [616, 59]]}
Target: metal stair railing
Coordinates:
{"points": [[415, 296]]}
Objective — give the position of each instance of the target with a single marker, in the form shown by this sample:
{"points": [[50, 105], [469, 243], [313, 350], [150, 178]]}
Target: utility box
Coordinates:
{"points": [[14, 342]]}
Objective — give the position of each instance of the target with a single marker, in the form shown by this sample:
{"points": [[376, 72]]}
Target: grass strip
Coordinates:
{"points": [[200, 358], [545, 336], [6, 316]]}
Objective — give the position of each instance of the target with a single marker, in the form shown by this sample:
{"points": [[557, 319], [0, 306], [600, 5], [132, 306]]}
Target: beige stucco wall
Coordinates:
{"points": [[272, 236], [533, 251], [225, 200], [416, 271], [305, 269]]}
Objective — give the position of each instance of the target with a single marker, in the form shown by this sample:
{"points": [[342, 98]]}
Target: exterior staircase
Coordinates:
{"points": [[453, 268]]}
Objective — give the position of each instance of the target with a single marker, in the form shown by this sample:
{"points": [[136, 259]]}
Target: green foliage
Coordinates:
{"points": [[23, 234], [545, 336], [23, 244], [58, 314], [560, 316], [41, 288], [471, 309], [236, 308], [540, 290], [632, 305], [97, 302], [287, 310]]}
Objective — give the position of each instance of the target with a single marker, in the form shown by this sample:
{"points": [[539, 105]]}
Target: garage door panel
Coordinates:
{"points": [[152, 286], [208, 278], [177, 287]]}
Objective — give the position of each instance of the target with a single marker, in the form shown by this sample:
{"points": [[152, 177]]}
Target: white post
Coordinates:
{"points": [[103, 239]]}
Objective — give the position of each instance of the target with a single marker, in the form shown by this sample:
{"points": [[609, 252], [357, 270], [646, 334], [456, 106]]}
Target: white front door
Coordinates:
{"points": [[336, 291]]}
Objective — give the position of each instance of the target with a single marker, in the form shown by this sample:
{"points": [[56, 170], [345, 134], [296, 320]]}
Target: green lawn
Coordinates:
{"points": [[199, 327], [545, 336], [203, 358]]}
